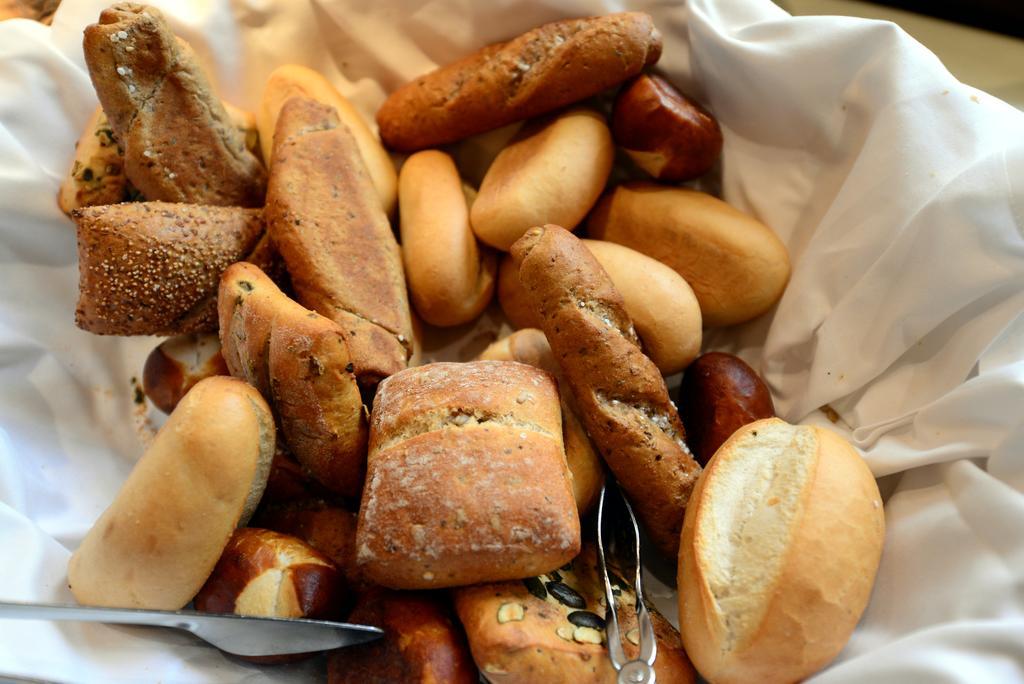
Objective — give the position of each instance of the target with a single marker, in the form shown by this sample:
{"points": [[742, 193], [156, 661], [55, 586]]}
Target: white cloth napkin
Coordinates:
{"points": [[899, 191]]}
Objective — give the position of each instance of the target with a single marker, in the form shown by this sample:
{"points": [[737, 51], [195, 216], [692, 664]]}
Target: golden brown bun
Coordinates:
{"points": [[660, 303], [451, 279], [737, 266], [529, 346], [719, 395], [328, 529], [621, 394], [201, 477], [152, 268], [270, 574], [665, 133], [289, 80], [544, 69], [299, 361], [97, 175], [520, 632], [38, 10], [466, 478], [327, 223], [177, 364], [422, 644], [779, 551], [179, 143], [553, 171]]}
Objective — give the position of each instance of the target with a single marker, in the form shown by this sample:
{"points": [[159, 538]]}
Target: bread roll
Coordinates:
{"points": [[621, 394], [737, 266], [422, 644], [179, 142], [551, 628], [542, 70], [325, 219], [451, 279], [97, 175], [665, 133], [201, 477], [289, 80], [328, 529], [152, 268], [270, 574], [288, 482], [779, 550], [300, 362], [719, 395], [466, 478], [660, 303], [553, 171], [529, 346], [177, 364]]}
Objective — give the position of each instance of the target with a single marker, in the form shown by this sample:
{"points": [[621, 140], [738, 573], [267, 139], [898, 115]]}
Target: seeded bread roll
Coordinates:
{"points": [[551, 628], [152, 268], [290, 80], [738, 268], [529, 346], [553, 171], [177, 365], [202, 477], [466, 478], [549, 67], [300, 362], [779, 551], [422, 643], [451, 278], [621, 394], [327, 223], [179, 143]]}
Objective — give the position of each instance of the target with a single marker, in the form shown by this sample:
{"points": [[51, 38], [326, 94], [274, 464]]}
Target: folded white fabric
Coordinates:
{"points": [[899, 191]]}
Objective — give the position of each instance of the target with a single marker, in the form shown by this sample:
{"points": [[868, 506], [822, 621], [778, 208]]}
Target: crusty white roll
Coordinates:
{"points": [[201, 478], [451, 279], [780, 545], [553, 171], [290, 80], [664, 310], [736, 265]]}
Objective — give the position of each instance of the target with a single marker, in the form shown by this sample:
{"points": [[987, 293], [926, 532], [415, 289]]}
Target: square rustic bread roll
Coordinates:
{"points": [[466, 478]]}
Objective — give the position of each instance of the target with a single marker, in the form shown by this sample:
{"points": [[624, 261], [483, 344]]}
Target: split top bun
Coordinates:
{"points": [[780, 546]]}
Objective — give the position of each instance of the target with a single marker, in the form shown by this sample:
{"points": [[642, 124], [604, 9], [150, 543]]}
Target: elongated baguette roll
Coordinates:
{"points": [[620, 392], [152, 268], [529, 346], [179, 142], [660, 303], [451, 279], [737, 267], [326, 221], [779, 551], [300, 362], [553, 171], [201, 478], [290, 80], [549, 67]]}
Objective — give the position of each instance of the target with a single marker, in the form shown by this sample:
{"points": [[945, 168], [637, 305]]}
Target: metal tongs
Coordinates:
{"points": [[640, 670]]}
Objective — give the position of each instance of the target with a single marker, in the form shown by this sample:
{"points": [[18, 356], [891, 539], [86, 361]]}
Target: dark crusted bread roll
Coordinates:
{"points": [[543, 69], [180, 144], [621, 394]]}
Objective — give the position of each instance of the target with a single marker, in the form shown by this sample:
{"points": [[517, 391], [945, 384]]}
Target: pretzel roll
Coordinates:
{"points": [[622, 396], [177, 365], [451, 280], [529, 346], [552, 171], [289, 80]]}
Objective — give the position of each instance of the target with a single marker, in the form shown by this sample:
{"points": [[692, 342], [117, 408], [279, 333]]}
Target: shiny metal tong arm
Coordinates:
{"points": [[237, 634], [640, 670]]}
